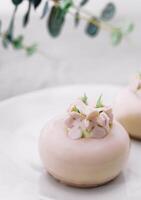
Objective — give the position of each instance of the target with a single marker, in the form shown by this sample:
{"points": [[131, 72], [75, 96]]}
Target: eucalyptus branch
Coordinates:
{"points": [[56, 20], [86, 15]]}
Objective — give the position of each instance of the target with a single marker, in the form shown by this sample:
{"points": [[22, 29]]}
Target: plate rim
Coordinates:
{"points": [[5, 102]]}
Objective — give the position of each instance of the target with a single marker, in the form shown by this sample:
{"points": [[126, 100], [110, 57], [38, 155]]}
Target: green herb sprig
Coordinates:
{"points": [[99, 103], [55, 15], [84, 98]]}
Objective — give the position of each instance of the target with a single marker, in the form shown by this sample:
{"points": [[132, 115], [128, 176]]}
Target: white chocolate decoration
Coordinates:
{"points": [[84, 120]]}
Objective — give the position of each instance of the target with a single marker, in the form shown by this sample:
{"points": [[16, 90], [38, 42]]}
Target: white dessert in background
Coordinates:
{"points": [[127, 109], [85, 147]]}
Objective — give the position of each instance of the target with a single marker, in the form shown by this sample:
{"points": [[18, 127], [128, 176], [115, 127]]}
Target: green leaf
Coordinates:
{"points": [[116, 37], [85, 99], [76, 19], [128, 28], [5, 43], [31, 49], [17, 2], [99, 102], [83, 2], [36, 3], [92, 28], [75, 109], [18, 42], [108, 12], [27, 15], [65, 5], [86, 133], [10, 31], [55, 21], [45, 10]]}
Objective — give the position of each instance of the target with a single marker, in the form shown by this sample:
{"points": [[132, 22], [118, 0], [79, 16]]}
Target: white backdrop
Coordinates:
{"points": [[73, 57]]}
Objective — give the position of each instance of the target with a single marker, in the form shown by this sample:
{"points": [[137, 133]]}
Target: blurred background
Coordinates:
{"points": [[73, 57]]}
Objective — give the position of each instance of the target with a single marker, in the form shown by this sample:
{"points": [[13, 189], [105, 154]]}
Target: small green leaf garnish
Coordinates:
{"points": [[85, 99], [86, 133], [75, 109], [99, 102]]}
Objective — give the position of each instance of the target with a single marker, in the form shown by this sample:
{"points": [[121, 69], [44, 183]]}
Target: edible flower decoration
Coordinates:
{"points": [[86, 121], [136, 83]]}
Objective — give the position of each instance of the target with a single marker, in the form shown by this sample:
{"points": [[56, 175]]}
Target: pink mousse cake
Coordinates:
{"points": [[85, 147], [127, 109]]}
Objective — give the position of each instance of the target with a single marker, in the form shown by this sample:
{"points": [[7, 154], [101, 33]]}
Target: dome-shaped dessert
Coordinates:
{"points": [[84, 147], [127, 109]]}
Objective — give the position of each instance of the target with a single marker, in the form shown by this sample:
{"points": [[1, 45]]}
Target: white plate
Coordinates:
{"points": [[21, 173]]}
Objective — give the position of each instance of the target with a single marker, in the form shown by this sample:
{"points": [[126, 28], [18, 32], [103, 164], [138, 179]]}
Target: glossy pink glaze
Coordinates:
{"points": [[86, 161]]}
